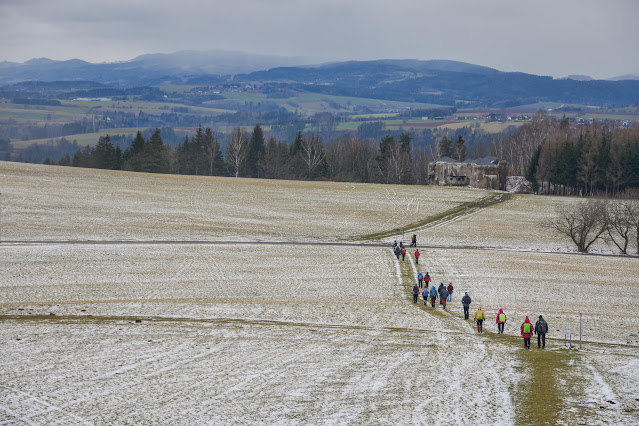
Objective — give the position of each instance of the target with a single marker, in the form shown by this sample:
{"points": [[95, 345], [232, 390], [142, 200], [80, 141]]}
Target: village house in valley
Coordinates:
{"points": [[485, 173]]}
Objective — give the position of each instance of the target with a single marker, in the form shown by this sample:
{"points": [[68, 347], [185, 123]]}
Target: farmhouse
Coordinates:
{"points": [[485, 173]]}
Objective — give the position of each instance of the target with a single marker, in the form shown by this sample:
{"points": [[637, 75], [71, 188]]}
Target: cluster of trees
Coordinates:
{"points": [[586, 160], [250, 155], [616, 221]]}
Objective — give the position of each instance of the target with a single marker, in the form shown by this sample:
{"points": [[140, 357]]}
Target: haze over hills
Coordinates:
{"points": [[441, 82]]}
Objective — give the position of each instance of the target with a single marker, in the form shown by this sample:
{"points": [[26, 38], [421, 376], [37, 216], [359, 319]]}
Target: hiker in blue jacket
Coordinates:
{"points": [[433, 296], [420, 279]]}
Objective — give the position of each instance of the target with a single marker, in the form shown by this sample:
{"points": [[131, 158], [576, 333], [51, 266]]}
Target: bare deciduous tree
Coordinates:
{"points": [[236, 151], [632, 213], [582, 222], [312, 153], [619, 221]]}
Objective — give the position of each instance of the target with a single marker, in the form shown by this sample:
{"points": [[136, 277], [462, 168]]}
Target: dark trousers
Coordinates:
{"points": [[417, 260], [415, 298], [466, 312], [420, 283], [527, 342], [403, 257], [500, 327], [541, 340]]}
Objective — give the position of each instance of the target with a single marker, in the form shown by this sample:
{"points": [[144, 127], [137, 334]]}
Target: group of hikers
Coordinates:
{"points": [[445, 294], [400, 250]]}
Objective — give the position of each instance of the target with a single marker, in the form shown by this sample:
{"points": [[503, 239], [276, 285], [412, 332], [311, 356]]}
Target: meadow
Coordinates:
{"points": [[135, 298]]}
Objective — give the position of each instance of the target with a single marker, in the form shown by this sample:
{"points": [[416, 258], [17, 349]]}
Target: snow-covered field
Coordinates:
{"points": [[516, 224], [44, 202], [143, 332]]}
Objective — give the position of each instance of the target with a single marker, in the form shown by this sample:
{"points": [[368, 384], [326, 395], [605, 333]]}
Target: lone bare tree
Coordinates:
{"points": [[312, 153], [632, 213], [619, 218], [236, 151], [582, 222]]}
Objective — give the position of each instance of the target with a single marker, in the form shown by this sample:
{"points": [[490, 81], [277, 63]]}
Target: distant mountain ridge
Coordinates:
{"points": [[143, 70], [441, 82]]}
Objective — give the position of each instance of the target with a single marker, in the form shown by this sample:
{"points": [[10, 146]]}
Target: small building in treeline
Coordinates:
{"points": [[484, 173]]}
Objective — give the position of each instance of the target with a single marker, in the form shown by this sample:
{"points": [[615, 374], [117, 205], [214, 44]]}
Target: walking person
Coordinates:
{"points": [[479, 319], [501, 321], [427, 279], [415, 292], [450, 291], [417, 256], [433, 296], [403, 253], [439, 291], [527, 332], [425, 295], [444, 297], [541, 328], [397, 252], [466, 303], [420, 280]]}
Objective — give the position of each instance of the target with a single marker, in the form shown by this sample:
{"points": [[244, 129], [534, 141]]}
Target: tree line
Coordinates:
{"points": [[306, 157], [562, 158]]}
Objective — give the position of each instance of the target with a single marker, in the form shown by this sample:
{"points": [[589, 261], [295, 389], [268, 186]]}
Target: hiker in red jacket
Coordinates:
{"points": [[416, 255], [403, 253], [501, 321], [527, 332]]}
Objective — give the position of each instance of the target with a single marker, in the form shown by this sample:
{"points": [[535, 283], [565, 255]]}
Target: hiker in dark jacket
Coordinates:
{"points": [[439, 290], [466, 302], [450, 291], [433, 296], [415, 292], [541, 328], [444, 297]]}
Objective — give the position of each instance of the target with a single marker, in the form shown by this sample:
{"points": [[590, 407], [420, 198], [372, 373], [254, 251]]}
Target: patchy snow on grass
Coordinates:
{"points": [[50, 202]]}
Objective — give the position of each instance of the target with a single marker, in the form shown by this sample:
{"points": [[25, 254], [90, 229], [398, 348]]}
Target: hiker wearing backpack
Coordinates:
{"points": [[420, 280], [433, 296], [450, 291], [403, 253], [479, 318], [425, 295], [444, 297], [397, 252], [415, 292], [427, 280], [417, 256], [394, 244], [439, 291], [466, 303], [541, 328], [527, 332], [501, 321]]}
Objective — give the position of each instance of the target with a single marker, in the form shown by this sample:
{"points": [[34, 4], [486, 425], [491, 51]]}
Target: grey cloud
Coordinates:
{"points": [[543, 37]]}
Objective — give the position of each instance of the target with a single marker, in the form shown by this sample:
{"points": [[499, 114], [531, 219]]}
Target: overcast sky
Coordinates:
{"points": [[547, 37]]}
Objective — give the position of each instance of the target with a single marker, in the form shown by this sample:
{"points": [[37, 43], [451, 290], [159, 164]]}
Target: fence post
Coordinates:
{"points": [[579, 330]]}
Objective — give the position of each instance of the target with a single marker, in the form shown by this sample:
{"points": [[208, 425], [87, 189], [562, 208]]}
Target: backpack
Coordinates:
{"points": [[502, 317], [479, 315], [527, 328]]}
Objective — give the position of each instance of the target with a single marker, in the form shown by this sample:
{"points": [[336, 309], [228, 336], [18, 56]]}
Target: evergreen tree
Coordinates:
{"points": [[216, 165], [446, 147], [65, 160], [531, 172], [256, 150], [103, 155], [459, 149]]}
